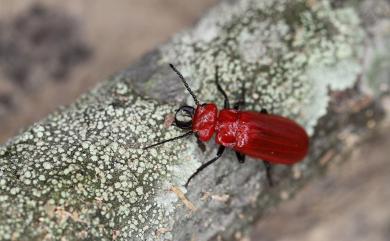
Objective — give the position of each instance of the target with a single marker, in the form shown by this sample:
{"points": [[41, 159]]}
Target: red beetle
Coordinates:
{"points": [[271, 138]]}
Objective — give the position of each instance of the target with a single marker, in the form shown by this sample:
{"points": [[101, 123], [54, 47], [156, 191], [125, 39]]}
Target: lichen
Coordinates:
{"points": [[82, 174], [377, 59]]}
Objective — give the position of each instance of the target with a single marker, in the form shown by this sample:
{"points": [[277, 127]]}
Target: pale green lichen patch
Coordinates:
{"points": [[377, 58], [83, 174], [290, 53]]}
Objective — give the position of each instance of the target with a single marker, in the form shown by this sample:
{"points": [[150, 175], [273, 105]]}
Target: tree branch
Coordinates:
{"points": [[82, 173]]}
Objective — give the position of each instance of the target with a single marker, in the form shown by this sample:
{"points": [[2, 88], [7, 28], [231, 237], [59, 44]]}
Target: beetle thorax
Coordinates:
{"points": [[204, 121]]}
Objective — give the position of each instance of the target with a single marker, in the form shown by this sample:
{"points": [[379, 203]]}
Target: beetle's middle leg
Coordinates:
{"points": [[241, 102], [219, 87], [240, 157]]}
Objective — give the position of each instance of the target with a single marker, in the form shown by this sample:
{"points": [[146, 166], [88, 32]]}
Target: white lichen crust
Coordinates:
{"points": [[82, 172]]}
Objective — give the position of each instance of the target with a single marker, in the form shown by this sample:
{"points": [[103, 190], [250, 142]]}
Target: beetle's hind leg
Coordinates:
{"points": [[268, 171], [267, 165], [240, 157]]}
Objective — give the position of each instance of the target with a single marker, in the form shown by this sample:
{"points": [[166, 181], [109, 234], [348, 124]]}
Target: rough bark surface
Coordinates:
{"points": [[82, 174]]}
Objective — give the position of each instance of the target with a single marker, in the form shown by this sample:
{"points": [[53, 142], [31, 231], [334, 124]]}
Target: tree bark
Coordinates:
{"points": [[81, 173]]}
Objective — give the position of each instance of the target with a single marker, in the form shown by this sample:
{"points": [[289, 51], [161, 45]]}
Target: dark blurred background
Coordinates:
{"points": [[53, 51]]}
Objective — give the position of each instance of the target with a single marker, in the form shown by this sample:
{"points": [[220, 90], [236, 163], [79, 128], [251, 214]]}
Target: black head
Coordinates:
{"points": [[183, 117]]}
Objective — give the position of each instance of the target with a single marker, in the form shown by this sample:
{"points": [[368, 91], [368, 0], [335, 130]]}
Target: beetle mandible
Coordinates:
{"points": [[271, 138]]}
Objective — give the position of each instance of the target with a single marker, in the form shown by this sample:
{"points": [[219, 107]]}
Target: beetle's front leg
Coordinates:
{"points": [[220, 151], [201, 145]]}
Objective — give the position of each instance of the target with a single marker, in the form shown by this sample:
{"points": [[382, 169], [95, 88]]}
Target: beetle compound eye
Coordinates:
{"points": [[185, 112], [183, 116]]}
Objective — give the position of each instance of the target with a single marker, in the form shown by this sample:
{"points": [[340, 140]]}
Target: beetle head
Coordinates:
{"points": [[184, 116]]}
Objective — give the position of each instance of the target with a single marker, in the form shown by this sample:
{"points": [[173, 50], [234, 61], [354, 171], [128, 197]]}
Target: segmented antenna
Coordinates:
{"points": [[185, 84], [169, 140]]}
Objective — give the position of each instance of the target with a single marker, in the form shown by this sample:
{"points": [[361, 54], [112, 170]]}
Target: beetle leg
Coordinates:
{"points": [[268, 170], [220, 151], [201, 145], [226, 103], [240, 157], [241, 101], [237, 105]]}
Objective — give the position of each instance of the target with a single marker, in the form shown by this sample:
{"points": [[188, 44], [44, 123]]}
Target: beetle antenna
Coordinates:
{"points": [[168, 140], [185, 84]]}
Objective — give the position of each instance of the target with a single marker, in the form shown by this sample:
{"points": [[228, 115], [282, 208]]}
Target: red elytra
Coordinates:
{"points": [[271, 138]]}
